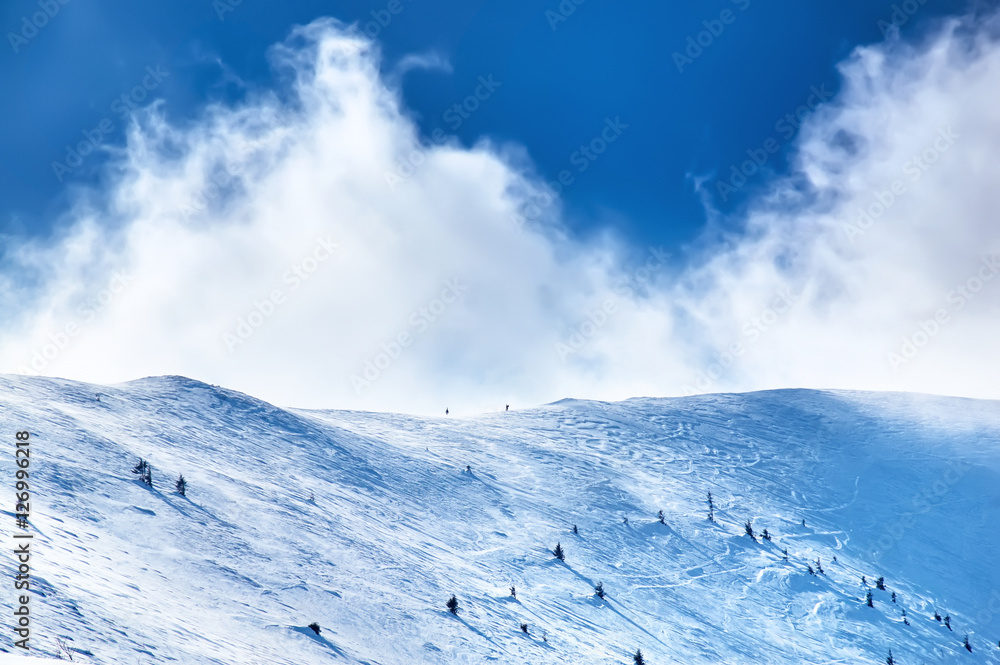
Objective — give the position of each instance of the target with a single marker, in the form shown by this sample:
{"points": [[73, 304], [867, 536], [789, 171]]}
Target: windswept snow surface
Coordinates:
{"points": [[895, 485]]}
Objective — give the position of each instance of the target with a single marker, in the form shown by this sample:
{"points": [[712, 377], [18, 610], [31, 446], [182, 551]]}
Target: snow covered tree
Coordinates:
{"points": [[599, 590], [575, 529], [811, 571], [625, 519], [937, 617], [453, 605], [894, 596], [639, 660], [765, 535], [880, 584], [513, 592], [558, 551], [749, 529], [315, 627], [968, 647], [906, 620], [661, 518], [864, 581], [181, 485], [524, 628], [819, 566], [889, 660], [711, 508], [869, 599], [785, 552], [947, 621]]}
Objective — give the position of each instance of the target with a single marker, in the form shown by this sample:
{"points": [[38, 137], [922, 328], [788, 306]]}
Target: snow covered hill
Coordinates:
{"points": [[367, 523]]}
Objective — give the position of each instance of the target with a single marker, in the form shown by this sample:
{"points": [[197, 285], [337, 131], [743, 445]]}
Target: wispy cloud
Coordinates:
{"points": [[316, 169]]}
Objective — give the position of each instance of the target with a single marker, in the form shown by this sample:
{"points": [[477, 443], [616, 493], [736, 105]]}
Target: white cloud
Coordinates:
{"points": [[207, 222]]}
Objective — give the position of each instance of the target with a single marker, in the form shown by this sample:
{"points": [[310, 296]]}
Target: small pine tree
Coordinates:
{"points": [[894, 596], [599, 590], [785, 552], [889, 660], [906, 621], [181, 485], [864, 581], [513, 592], [869, 599], [937, 617], [765, 535], [811, 571], [625, 519], [558, 551], [524, 628], [639, 660], [452, 605], [575, 529], [661, 518], [749, 529], [145, 471], [968, 647], [947, 621], [315, 627], [711, 508], [819, 566], [835, 558], [880, 584], [803, 521]]}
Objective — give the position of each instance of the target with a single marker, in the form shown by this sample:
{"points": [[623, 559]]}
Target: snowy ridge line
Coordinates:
{"points": [[365, 524]]}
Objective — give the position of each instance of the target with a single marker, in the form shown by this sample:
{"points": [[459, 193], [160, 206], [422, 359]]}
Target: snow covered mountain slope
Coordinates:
{"points": [[901, 486]]}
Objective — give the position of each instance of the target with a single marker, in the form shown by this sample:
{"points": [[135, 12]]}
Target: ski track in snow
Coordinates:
{"points": [[235, 571]]}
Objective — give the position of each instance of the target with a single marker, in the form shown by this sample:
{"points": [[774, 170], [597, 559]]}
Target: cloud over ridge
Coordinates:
{"points": [[263, 248]]}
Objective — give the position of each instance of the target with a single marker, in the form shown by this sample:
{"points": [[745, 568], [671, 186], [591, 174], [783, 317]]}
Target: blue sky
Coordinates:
{"points": [[352, 207], [560, 76]]}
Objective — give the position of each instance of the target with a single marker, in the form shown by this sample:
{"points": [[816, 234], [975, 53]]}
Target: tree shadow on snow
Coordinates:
{"points": [[311, 634], [469, 626], [607, 603]]}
